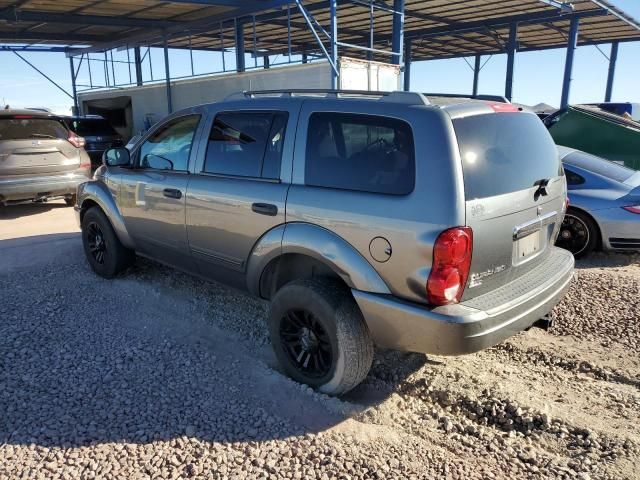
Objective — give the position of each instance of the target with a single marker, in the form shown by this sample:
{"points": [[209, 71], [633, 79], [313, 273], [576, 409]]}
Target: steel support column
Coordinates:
{"points": [[407, 64], [333, 14], [266, 62], [74, 90], [137, 59], [397, 36], [572, 44], [240, 60], [512, 47], [613, 58], [476, 74], [167, 78]]}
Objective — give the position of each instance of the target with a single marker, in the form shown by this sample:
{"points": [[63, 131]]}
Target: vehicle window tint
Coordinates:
{"points": [[573, 178], [170, 146], [246, 144], [360, 152], [504, 152], [26, 128], [92, 127], [599, 166]]}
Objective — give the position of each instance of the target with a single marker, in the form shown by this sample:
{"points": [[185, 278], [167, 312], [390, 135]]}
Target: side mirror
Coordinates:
{"points": [[116, 157]]}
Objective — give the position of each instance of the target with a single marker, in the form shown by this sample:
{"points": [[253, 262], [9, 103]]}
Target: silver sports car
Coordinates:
{"points": [[604, 211]]}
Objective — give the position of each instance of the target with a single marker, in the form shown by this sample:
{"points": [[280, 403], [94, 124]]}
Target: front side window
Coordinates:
{"points": [[360, 152], [169, 147], [246, 144]]}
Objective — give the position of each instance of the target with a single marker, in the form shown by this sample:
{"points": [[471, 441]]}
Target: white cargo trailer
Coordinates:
{"points": [[133, 110]]}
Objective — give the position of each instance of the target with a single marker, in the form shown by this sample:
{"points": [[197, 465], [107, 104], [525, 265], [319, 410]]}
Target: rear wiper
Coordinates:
{"points": [[42, 135], [542, 188]]}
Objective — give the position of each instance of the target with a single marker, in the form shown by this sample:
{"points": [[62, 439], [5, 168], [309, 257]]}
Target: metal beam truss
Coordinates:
{"points": [[98, 63]]}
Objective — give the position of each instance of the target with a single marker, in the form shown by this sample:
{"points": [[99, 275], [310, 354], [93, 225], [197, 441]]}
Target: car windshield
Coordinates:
{"points": [[88, 127], [599, 166], [24, 127]]}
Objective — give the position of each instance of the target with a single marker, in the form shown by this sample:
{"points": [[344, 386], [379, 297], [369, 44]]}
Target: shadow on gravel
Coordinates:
{"points": [[153, 355], [607, 260], [12, 212]]}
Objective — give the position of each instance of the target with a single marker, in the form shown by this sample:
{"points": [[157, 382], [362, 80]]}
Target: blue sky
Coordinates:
{"points": [[538, 75]]}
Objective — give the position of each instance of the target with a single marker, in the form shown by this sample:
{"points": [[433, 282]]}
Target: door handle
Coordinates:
{"points": [[172, 193], [265, 209]]}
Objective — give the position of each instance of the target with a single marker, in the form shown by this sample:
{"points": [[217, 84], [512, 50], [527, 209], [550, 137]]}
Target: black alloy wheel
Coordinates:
{"points": [[577, 234], [306, 343], [96, 243]]}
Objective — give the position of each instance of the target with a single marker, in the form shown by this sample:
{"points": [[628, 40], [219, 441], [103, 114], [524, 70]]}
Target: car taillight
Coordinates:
{"points": [[451, 264], [632, 208], [75, 140]]}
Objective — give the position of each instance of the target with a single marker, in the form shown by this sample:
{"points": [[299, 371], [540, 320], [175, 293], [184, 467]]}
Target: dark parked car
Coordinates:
{"points": [[374, 218], [98, 134], [40, 158]]}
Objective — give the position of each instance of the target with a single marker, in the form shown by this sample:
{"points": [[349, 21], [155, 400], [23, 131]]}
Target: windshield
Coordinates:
{"points": [[504, 152], [599, 166], [91, 127], [26, 128]]}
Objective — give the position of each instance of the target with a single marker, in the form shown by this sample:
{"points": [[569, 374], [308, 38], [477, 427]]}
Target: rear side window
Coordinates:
{"points": [[573, 178], [504, 152], [246, 144], [360, 152], [599, 166], [26, 128]]}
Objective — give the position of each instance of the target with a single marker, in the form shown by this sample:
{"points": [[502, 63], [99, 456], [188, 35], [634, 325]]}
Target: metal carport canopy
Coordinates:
{"points": [[396, 31], [436, 29]]}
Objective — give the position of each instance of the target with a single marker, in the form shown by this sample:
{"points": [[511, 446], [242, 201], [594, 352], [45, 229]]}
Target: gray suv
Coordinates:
{"points": [[366, 219], [40, 158]]}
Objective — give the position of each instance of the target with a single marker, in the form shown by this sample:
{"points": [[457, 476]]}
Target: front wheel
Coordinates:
{"points": [[319, 335], [578, 233], [105, 254]]}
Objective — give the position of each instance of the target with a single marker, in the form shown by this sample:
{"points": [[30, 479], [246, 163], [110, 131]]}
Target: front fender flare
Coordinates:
{"points": [[98, 192], [320, 244]]}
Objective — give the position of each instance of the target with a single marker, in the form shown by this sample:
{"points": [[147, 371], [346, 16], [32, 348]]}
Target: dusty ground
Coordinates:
{"points": [[158, 375]]}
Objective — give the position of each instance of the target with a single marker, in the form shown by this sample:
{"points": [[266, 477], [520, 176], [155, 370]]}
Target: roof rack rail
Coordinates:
{"points": [[489, 98], [407, 98]]}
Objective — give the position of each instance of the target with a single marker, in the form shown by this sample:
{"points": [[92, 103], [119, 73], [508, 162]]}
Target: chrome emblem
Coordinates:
{"points": [[539, 211], [35, 143], [476, 278]]}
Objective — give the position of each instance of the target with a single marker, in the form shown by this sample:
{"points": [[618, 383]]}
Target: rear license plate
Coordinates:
{"points": [[528, 246]]}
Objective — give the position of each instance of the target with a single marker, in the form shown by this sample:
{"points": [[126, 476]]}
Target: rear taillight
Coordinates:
{"points": [[75, 140], [632, 208], [451, 263]]}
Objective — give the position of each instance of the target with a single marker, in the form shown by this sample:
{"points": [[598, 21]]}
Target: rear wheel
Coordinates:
{"points": [[578, 233], [105, 254], [319, 335]]}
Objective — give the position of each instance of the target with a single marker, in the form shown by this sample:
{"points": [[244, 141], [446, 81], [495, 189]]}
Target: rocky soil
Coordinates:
{"points": [[157, 375]]}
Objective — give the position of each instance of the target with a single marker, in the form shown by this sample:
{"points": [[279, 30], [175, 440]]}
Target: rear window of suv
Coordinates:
{"points": [[23, 128], [92, 127], [504, 152], [365, 153]]}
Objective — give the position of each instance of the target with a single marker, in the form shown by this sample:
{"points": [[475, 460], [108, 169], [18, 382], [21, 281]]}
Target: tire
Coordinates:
{"points": [[105, 254], [334, 324], [578, 233], [70, 201]]}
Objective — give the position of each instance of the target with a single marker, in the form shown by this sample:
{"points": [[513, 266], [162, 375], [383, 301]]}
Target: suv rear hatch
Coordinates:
{"points": [[515, 194], [31, 145]]}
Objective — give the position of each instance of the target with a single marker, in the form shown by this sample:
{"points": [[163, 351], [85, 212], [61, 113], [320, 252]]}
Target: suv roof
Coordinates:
{"points": [[27, 112], [455, 105]]}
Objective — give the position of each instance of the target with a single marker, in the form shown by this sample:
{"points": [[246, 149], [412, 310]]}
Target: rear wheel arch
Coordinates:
{"points": [[290, 267]]}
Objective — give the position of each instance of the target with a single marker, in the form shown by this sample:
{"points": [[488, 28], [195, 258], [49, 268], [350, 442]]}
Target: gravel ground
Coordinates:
{"points": [[156, 375]]}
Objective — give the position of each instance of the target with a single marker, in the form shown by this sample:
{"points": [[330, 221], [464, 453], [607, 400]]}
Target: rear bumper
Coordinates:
{"points": [[33, 188], [473, 325], [620, 229]]}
